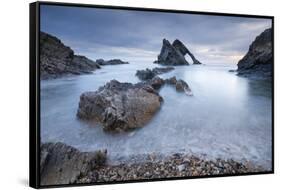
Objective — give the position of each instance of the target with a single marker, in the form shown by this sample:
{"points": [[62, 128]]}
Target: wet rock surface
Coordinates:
{"points": [[120, 106], [156, 82], [111, 62], [180, 85], [63, 164], [173, 54], [57, 59], [259, 59], [150, 73]]}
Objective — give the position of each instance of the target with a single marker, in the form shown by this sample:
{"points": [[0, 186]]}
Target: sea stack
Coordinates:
{"points": [[173, 54]]}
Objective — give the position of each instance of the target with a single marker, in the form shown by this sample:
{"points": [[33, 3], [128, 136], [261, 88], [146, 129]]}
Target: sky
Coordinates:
{"points": [[136, 36]]}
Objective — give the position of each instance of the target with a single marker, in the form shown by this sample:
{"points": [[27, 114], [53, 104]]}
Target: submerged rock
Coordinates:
{"points": [[258, 61], [63, 164], [149, 74], [172, 80], [111, 62], [145, 74], [58, 60], [156, 82], [120, 106], [182, 86], [173, 54]]}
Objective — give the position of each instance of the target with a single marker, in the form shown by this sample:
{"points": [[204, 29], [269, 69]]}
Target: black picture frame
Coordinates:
{"points": [[34, 89]]}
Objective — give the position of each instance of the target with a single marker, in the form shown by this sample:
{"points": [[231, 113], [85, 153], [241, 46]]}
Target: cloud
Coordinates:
{"points": [[137, 35]]}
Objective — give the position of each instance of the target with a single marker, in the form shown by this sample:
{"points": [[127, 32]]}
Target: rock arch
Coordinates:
{"points": [[173, 54]]}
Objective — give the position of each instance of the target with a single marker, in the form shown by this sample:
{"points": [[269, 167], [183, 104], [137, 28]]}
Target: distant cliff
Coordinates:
{"points": [[258, 60], [58, 60]]}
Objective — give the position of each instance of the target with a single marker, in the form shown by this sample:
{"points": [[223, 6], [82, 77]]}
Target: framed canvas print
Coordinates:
{"points": [[120, 94]]}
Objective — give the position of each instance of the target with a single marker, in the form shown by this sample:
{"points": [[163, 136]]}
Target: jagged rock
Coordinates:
{"points": [[63, 164], [174, 54], [111, 62], [149, 74], [183, 49], [169, 55], [120, 106], [145, 74], [258, 60], [57, 60]]}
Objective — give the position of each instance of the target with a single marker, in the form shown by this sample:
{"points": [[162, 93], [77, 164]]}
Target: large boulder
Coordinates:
{"points": [[259, 59], [149, 74], [173, 54], [120, 106], [57, 60], [111, 62], [63, 164]]}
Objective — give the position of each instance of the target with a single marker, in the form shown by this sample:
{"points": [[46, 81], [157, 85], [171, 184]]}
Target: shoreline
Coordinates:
{"points": [[175, 165], [63, 164]]}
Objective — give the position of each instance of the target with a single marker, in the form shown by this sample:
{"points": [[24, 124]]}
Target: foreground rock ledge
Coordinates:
{"points": [[63, 164], [120, 106]]}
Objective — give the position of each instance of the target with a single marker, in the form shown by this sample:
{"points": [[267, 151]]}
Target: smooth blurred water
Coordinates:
{"points": [[228, 116]]}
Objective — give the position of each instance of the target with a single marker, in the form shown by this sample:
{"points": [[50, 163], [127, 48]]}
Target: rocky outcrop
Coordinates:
{"points": [[120, 106], [63, 164], [149, 74], [111, 62], [173, 54], [181, 47], [258, 61], [180, 85], [58, 60], [156, 82]]}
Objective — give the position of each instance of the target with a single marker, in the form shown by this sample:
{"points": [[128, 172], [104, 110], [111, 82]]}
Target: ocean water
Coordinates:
{"points": [[229, 117]]}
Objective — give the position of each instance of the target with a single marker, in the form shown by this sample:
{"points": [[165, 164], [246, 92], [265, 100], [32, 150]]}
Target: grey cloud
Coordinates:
{"points": [[107, 33]]}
